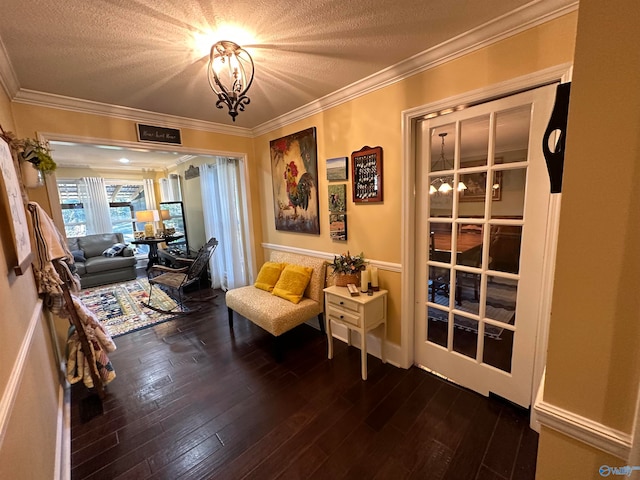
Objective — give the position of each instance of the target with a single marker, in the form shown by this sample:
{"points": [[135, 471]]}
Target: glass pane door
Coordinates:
{"points": [[483, 197]]}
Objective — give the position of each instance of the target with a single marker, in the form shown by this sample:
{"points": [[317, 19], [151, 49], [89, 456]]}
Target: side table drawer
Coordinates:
{"points": [[342, 316], [343, 303]]}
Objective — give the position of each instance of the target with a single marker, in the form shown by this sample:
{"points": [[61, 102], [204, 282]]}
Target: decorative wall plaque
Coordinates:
{"points": [[366, 175]]}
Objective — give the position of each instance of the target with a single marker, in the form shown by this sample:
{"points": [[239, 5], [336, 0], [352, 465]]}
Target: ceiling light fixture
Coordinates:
{"points": [[230, 74], [442, 183]]}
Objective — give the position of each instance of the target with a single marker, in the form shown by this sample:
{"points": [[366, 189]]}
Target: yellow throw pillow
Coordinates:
{"points": [[269, 275], [292, 282]]}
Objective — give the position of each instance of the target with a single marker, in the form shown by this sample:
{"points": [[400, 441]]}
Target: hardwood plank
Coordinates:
{"points": [[503, 448], [525, 467], [468, 456], [195, 400]]}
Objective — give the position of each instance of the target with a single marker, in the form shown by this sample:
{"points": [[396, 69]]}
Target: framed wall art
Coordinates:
{"points": [[476, 184], [13, 208], [337, 198], [294, 174], [338, 226], [337, 169], [366, 175]]}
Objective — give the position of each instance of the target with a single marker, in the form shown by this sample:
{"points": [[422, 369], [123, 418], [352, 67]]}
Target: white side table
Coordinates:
{"points": [[362, 313]]}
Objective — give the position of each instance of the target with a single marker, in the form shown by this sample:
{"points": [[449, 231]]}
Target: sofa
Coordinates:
{"points": [[277, 315], [93, 267]]}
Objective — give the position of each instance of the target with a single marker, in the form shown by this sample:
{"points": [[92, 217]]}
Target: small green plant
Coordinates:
{"points": [[38, 154], [30, 150], [347, 263]]}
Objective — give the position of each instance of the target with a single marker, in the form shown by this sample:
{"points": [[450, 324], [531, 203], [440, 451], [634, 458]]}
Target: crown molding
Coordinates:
{"points": [[32, 97], [8, 77], [528, 16]]}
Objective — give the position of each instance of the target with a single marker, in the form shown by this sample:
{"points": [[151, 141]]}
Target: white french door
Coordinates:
{"points": [[482, 205]]}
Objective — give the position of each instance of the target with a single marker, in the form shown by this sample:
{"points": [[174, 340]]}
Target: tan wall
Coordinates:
{"points": [[593, 362], [375, 119], [31, 422]]}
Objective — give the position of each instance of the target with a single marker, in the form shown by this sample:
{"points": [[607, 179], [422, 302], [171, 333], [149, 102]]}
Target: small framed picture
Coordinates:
{"points": [[337, 169], [338, 226], [337, 198], [366, 175]]}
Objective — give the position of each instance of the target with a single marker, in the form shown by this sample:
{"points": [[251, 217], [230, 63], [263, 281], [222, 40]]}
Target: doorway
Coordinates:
{"points": [[482, 201]]}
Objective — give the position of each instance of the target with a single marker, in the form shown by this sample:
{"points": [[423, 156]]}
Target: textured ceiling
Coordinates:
{"points": [[140, 54]]}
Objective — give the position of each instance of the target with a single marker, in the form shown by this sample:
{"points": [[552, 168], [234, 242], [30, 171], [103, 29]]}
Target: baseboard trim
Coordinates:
{"points": [[13, 384], [583, 429], [63, 439]]}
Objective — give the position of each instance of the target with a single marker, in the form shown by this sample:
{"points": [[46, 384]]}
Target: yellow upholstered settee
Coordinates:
{"points": [[275, 314]]}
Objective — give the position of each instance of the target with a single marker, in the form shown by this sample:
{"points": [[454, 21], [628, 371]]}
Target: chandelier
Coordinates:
{"points": [[230, 74], [444, 184]]}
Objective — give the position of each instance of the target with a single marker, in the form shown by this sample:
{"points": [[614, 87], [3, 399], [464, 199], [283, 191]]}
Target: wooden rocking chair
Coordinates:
{"points": [[175, 280]]}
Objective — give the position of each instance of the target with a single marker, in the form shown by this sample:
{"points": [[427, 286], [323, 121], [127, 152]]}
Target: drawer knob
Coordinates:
{"points": [[341, 303], [341, 317]]}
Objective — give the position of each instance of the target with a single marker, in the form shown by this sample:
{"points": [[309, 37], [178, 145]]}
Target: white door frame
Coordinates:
{"points": [[561, 73]]}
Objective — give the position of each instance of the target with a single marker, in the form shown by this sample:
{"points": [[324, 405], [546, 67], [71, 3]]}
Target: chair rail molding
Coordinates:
{"points": [[581, 428]]}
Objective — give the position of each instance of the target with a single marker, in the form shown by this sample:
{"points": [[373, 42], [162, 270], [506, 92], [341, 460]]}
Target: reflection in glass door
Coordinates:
{"points": [[482, 207]]}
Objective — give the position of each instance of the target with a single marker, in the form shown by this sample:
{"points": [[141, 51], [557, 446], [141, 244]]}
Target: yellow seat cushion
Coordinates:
{"points": [[292, 282], [269, 275]]}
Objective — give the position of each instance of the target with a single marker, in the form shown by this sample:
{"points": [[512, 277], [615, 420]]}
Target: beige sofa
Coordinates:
{"points": [[277, 315]]}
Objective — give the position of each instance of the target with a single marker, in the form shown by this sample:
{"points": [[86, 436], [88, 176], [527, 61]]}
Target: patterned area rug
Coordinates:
{"points": [[119, 306]]}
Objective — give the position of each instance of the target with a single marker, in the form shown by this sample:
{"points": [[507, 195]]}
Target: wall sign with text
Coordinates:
{"points": [[149, 133]]}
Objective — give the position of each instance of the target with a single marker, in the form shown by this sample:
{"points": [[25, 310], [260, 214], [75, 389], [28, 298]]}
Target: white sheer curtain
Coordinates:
{"points": [[223, 219], [93, 194], [149, 194], [170, 189]]}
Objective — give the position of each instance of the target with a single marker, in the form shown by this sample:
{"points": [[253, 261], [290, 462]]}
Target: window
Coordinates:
{"points": [[124, 200]]}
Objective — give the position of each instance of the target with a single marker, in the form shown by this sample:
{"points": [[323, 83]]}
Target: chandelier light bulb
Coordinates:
{"points": [[445, 188]]}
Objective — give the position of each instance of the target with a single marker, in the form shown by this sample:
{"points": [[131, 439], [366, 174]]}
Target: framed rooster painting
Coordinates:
{"points": [[294, 173]]}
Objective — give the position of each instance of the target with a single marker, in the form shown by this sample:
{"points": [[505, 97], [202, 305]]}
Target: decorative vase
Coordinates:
{"points": [[31, 176], [342, 279]]}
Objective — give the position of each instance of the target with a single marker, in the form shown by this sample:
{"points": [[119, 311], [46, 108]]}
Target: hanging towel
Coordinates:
{"points": [[50, 245]]}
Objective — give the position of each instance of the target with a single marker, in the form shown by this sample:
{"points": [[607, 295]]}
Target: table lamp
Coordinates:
{"points": [[148, 216], [165, 215]]}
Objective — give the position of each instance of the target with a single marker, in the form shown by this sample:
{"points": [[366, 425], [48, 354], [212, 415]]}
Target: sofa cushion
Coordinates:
{"points": [[94, 245], [72, 243], [80, 268], [269, 275], [102, 264], [78, 256], [114, 250], [292, 282]]}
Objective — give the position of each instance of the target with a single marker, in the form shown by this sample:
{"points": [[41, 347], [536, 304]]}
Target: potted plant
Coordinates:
{"points": [[347, 268], [34, 156], [36, 153]]}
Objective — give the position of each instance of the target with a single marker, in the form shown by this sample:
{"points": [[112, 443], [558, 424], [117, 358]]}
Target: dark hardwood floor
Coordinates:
{"points": [[193, 399]]}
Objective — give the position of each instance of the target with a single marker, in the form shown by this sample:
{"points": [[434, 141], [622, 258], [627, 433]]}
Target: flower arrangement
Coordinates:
{"points": [[348, 264], [30, 150]]}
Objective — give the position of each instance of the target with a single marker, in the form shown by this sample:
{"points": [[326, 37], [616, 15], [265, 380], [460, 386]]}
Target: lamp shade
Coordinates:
{"points": [[165, 214], [147, 216]]}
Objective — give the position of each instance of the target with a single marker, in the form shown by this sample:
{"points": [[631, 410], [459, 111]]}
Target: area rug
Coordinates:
{"points": [[119, 306]]}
